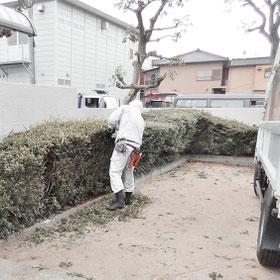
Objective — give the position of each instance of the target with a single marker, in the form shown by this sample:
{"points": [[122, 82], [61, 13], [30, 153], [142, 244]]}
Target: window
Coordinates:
{"points": [[208, 75], [62, 82], [12, 40], [104, 25], [23, 39], [256, 103], [67, 82], [227, 103], [150, 79], [100, 85], [17, 38], [267, 72], [92, 102]]}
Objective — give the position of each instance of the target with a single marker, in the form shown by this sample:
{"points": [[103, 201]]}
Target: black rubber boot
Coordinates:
{"points": [[119, 203], [128, 198]]}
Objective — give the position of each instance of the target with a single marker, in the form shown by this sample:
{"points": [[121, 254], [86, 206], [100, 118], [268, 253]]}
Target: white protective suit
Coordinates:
{"points": [[128, 121]]}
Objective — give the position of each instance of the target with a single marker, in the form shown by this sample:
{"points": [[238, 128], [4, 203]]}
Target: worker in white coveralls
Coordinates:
{"points": [[130, 125]]}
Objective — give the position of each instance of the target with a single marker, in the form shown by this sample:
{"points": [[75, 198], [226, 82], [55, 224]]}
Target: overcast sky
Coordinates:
{"points": [[214, 29]]}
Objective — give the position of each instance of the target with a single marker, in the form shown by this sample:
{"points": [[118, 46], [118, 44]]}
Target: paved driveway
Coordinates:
{"points": [[202, 224]]}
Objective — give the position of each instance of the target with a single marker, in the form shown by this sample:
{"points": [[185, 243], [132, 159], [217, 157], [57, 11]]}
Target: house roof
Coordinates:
{"points": [[83, 6], [16, 21], [197, 56], [250, 61]]}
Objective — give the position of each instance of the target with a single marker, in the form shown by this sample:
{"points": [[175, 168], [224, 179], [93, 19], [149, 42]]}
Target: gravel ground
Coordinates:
{"points": [[202, 224]]}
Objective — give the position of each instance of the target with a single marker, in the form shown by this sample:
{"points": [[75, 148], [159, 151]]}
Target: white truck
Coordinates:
{"points": [[97, 99], [267, 173]]}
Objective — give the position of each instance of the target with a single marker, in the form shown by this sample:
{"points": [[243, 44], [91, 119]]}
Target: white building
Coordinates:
{"points": [[76, 46]]}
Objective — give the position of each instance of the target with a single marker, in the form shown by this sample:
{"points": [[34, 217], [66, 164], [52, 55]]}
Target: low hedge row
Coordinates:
{"points": [[50, 167], [59, 164], [173, 132]]}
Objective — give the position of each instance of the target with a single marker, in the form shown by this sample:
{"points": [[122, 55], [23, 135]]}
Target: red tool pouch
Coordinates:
{"points": [[135, 157]]}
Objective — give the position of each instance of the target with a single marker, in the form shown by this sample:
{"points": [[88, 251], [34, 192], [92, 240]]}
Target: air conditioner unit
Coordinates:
{"points": [[41, 8]]}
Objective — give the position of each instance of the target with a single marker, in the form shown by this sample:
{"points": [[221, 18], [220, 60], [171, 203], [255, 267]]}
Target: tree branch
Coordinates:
{"points": [[163, 28], [154, 19], [261, 27], [160, 38], [141, 87]]}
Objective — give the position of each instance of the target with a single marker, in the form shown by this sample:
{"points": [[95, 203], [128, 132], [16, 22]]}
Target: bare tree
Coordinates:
{"points": [[24, 4], [269, 21], [143, 35], [4, 32]]}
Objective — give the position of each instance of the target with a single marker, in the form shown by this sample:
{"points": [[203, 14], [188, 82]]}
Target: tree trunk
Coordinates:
{"points": [[274, 48], [137, 66]]}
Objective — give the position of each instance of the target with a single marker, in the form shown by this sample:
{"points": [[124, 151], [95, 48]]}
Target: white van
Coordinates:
{"points": [[229, 100], [97, 99]]}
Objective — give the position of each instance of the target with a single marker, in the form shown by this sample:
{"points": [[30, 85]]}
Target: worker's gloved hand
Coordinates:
{"points": [[111, 130], [114, 135]]}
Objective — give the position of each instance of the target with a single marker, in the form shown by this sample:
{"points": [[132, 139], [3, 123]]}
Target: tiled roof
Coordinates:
{"points": [[250, 61], [193, 57]]}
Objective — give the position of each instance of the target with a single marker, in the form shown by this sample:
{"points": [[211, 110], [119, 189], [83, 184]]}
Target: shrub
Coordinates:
{"points": [[49, 167], [59, 164]]}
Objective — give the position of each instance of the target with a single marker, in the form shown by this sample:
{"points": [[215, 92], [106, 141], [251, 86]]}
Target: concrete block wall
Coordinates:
{"points": [[24, 105]]}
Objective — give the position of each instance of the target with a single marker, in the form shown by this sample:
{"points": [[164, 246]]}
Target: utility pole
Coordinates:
{"points": [[32, 77]]}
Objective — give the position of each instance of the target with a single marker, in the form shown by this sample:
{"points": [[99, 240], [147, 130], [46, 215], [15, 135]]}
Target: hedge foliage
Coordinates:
{"points": [[62, 163], [49, 167], [173, 132]]}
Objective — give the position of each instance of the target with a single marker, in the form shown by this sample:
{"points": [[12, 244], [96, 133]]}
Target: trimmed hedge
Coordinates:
{"points": [[173, 132], [59, 164], [50, 167]]}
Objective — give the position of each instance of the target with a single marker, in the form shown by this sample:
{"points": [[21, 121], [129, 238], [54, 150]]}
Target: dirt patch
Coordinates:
{"points": [[202, 224]]}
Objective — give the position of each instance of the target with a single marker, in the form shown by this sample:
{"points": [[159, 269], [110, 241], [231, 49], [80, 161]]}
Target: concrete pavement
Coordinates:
{"points": [[10, 270]]}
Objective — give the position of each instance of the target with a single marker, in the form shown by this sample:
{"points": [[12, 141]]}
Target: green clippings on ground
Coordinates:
{"points": [[96, 214], [252, 219], [202, 175], [215, 275], [80, 275], [65, 264]]}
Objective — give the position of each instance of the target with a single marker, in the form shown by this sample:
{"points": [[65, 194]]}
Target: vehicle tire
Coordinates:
{"points": [[261, 177], [256, 176], [268, 251]]}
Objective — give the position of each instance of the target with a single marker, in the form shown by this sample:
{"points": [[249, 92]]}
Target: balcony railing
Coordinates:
{"points": [[10, 54]]}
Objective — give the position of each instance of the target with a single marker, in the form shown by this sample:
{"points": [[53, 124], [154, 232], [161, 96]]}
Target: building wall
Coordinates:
{"points": [[185, 79], [14, 74], [22, 105], [247, 78], [72, 49], [44, 50], [260, 80], [88, 55]]}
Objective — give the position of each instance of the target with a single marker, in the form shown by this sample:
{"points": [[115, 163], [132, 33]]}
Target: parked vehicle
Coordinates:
{"points": [[267, 174], [228, 100], [97, 99], [159, 99], [156, 103]]}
